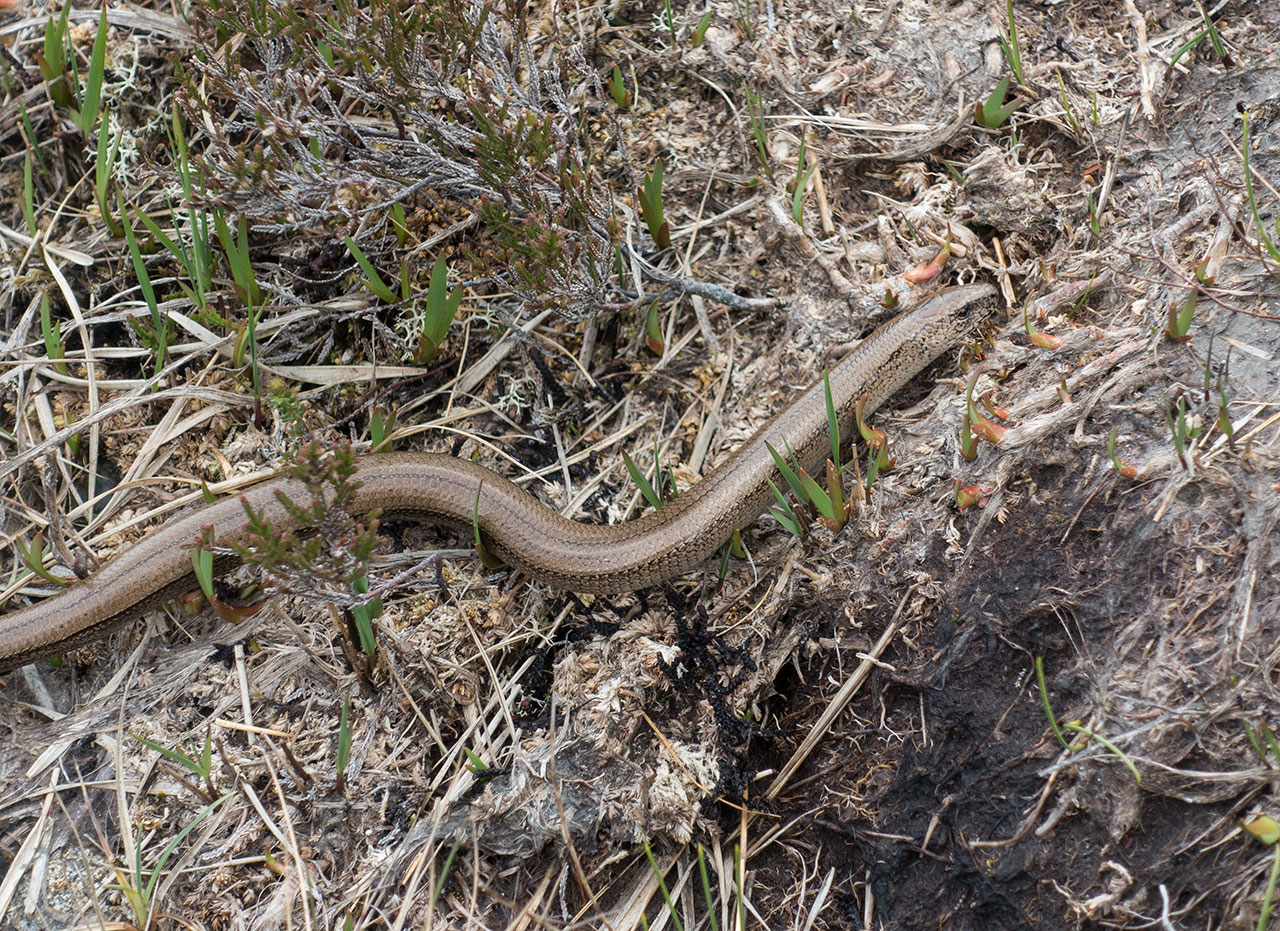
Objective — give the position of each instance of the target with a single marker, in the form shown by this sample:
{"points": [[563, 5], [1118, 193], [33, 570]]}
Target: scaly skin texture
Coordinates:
{"points": [[517, 528]]}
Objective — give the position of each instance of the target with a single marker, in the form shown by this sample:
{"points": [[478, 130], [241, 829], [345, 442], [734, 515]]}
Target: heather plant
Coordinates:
{"points": [[332, 114], [328, 553]]}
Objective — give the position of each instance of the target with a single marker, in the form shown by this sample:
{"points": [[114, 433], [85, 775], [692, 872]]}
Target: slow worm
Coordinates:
{"points": [[517, 528]]}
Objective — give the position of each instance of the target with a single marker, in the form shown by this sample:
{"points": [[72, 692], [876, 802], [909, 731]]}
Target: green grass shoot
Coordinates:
{"points": [[649, 197], [442, 307]]}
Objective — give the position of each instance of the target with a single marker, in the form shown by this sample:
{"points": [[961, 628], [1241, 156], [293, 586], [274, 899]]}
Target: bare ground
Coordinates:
{"points": [[934, 794]]}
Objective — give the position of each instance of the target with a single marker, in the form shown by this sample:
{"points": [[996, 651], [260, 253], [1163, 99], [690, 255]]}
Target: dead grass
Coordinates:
{"points": [[858, 715]]}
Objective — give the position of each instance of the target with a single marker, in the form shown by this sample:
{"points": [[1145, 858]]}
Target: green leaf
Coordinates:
{"points": [[202, 564], [28, 197], [646, 489], [373, 281], [442, 306], [793, 480], [785, 513], [344, 736], [700, 30], [158, 321], [93, 86], [33, 556], [1263, 828]]}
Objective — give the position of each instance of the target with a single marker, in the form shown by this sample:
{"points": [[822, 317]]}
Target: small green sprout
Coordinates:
{"points": [[399, 223], [1124, 757], [372, 280], [51, 330], [33, 556], [976, 426], [235, 245], [202, 566], [672, 913], [1075, 308], [1078, 728], [833, 512], [877, 442], [1267, 242], [700, 30], [669, 19], [967, 496], [993, 112], [1271, 743], [1048, 708], [1182, 429], [1225, 426], [785, 513], [442, 307], [364, 614], [138, 889], [28, 197], [1180, 318], [1066, 104], [706, 888], [236, 248], [33, 146], [200, 765], [55, 63], [790, 473], [1210, 32], [103, 166], [646, 489], [381, 428], [73, 441], [653, 338], [1262, 828], [649, 196], [1043, 340], [197, 260], [1009, 45], [618, 89], [1264, 915], [92, 99], [755, 111], [158, 336], [832, 506], [444, 876], [801, 184], [1095, 224], [1121, 466], [343, 755]]}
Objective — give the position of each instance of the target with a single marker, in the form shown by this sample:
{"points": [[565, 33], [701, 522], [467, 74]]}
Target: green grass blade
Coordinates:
{"points": [[144, 283], [793, 480], [28, 197], [662, 885], [646, 489], [1048, 709], [344, 736], [173, 845], [373, 281], [93, 84], [1124, 757]]}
